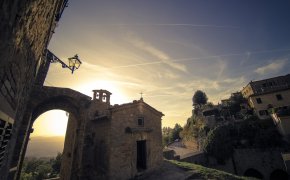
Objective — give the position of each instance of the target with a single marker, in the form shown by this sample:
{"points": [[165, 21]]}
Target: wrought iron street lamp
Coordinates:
{"points": [[74, 62]]}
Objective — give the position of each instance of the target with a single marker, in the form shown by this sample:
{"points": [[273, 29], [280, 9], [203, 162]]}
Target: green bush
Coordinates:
{"points": [[40, 168], [219, 143]]}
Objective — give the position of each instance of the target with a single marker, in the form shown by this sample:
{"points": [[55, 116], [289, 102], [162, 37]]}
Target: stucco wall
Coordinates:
{"points": [[269, 99], [247, 91]]}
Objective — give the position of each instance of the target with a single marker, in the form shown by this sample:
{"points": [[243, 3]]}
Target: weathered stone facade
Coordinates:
{"points": [[26, 27], [111, 139], [43, 99], [102, 141], [125, 134]]}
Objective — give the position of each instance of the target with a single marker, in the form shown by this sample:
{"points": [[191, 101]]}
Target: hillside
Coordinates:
{"points": [[45, 146], [200, 172]]}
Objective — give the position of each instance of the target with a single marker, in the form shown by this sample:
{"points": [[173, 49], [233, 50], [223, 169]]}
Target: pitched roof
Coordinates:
{"points": [[118, 107]]}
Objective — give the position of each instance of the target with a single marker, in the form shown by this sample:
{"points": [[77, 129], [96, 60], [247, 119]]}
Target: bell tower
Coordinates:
{"points": [[102, 96]]}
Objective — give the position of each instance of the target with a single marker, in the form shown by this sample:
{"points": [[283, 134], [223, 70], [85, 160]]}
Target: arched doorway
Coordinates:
{"points": [[42, 100], [251, 172], [45, 146], [74, 121], [279, 174]]}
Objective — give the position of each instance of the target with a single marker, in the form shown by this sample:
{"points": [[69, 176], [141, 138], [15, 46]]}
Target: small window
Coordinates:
{"points": [[259, 100], [141, 121], [279, 97]]}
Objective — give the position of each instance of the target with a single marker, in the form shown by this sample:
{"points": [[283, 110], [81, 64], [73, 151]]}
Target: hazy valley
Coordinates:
{"points": [[45, 146]]}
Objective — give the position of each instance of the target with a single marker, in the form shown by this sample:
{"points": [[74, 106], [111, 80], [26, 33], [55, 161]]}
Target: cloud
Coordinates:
{"points": [[153, 51], [92, 67], [272, 67], [222, 67]]}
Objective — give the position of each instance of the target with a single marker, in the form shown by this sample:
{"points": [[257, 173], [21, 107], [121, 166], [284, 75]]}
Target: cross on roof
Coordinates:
{"points": [[141, 94]]}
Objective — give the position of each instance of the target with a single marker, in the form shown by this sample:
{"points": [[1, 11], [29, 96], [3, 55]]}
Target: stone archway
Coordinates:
{"points": [[43, 99], [251, 172]]}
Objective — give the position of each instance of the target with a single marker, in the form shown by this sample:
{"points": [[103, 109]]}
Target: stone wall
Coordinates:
{"points": [[264, 161], [123, 143], [68, 151], [168, 154], [108, 150], [26, 27], [95, 158], [43, 99]]}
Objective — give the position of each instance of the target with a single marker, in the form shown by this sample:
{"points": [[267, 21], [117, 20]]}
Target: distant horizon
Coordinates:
{"points": [[45, 146], [43, 136]]}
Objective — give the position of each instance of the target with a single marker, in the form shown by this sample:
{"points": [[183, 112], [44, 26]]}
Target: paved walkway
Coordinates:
{"points": [[180, 149], [167, 171]]}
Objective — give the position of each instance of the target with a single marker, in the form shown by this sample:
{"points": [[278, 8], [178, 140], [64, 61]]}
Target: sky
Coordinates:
{"points": [[168, 49]]}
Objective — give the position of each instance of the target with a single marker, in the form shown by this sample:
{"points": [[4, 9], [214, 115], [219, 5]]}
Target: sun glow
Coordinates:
{"points": [[118, 97], [54, 123], [50, 123]]}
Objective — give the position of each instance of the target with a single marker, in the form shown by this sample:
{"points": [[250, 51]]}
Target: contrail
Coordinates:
{"points": [[200, 58], [185, 25]]}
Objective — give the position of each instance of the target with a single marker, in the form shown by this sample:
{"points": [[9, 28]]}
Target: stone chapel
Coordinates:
{"points": [[120, 141]]}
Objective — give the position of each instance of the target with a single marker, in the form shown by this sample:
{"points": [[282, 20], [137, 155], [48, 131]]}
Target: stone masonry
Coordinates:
{"points": [[26, 27], [111, 138], [102, 141]]}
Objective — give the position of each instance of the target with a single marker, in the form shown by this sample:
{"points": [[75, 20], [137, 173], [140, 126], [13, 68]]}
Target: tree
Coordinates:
{"points": [[56, 163], [165, 140], [43, 171], [219, 143], [199, 98], [236, 100], [166, 132], [175, 133], [41, 168]]}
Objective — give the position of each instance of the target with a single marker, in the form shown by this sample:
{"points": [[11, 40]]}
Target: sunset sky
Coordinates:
{"points": [[168, 49]]}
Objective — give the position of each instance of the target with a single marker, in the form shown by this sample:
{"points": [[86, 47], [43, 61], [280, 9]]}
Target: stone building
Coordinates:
{"points": [[120, 141], [26, 28], [268, 93]]}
